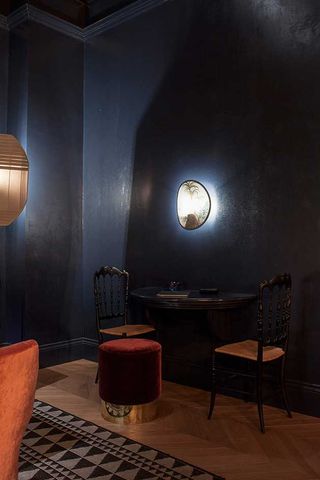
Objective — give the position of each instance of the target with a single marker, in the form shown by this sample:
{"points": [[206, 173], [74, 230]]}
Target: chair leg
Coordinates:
{"points": [[283, 387], [97, 376], [157, 335], [259, 395], [213, 385], [246, 394], [100, 341]]}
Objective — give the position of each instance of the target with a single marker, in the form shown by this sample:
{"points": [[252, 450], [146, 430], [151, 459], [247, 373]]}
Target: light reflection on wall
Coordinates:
{"points": [[287, 24], [214, 203]]}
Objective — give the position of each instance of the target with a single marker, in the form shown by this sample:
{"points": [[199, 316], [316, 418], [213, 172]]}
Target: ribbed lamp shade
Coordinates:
{"points": [[14, 168]]}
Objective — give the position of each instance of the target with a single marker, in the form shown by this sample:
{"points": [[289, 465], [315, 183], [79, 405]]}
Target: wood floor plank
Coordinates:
{"points": [[230, 444]]}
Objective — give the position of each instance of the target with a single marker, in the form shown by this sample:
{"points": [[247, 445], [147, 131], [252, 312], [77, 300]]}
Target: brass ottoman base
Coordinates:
{"points": [[129, 414]]}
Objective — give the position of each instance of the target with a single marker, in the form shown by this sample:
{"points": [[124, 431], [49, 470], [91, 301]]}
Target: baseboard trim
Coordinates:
{"points": [[61, 344], [90, 341], [67, 350], [310, 387], [304, 397]]}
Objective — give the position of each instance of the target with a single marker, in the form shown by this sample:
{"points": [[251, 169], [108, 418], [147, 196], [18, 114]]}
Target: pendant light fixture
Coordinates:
{"points": [[14, 168]]}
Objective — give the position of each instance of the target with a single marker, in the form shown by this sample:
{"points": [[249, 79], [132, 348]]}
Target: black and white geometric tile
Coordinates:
{"points": [[59, 446]]}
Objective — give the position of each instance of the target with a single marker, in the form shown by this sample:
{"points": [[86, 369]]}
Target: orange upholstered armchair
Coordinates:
{"points": [[19, 364]]}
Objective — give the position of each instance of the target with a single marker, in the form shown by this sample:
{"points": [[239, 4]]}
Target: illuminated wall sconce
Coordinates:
{"points": [[14, 168], [193, 204]]}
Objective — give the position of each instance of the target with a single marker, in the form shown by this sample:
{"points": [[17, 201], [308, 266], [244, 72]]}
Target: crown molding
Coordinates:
{"points": [[18, 16], [3, 22], [28, 12], [123, 15]]}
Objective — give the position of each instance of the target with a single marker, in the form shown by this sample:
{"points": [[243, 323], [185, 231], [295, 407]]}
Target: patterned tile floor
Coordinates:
{"points": [[58, 445]]}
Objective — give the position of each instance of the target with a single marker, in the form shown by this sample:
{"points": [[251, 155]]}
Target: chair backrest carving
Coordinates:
{"points": [[110, 287], [274, 311]]}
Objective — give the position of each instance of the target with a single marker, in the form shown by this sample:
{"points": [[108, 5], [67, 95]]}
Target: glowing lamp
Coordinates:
{"points": [[193, 204], [14, 168]]}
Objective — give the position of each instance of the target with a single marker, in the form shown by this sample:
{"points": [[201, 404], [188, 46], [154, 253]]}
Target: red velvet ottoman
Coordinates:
{"points": [[129, 374]]}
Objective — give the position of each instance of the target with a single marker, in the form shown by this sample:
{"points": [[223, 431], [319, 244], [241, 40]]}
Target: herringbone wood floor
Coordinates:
{"points": [[230, 444]]}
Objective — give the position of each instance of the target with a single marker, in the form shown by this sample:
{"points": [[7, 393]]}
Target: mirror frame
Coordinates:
{"points": [[209, 209]]}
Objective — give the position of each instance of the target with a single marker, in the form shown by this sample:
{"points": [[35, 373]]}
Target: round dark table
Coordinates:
{"points": [[219, 310], [195, 300]]}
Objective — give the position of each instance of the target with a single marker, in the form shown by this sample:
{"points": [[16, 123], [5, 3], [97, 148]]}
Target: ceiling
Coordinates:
{"points": [[78, 12]]}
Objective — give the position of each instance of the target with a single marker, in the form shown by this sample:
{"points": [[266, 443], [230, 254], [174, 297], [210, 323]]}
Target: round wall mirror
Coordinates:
{"points": [[193, 204]]}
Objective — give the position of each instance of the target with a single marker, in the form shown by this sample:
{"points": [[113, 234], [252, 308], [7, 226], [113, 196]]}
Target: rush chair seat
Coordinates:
{"points": [[248, 349], [271, 345], [19, 364], [111, 287]]}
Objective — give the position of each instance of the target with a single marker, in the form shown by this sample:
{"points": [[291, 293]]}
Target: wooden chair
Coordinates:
{"points": [[111, 287], [274, 312]]}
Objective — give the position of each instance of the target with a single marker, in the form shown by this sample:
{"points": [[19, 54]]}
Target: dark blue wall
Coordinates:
{"points": [[223, 92], [44, 246], [4, 56], [123, 71], [54, 209], [15, 233], [4, 46], [240, 111]]}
